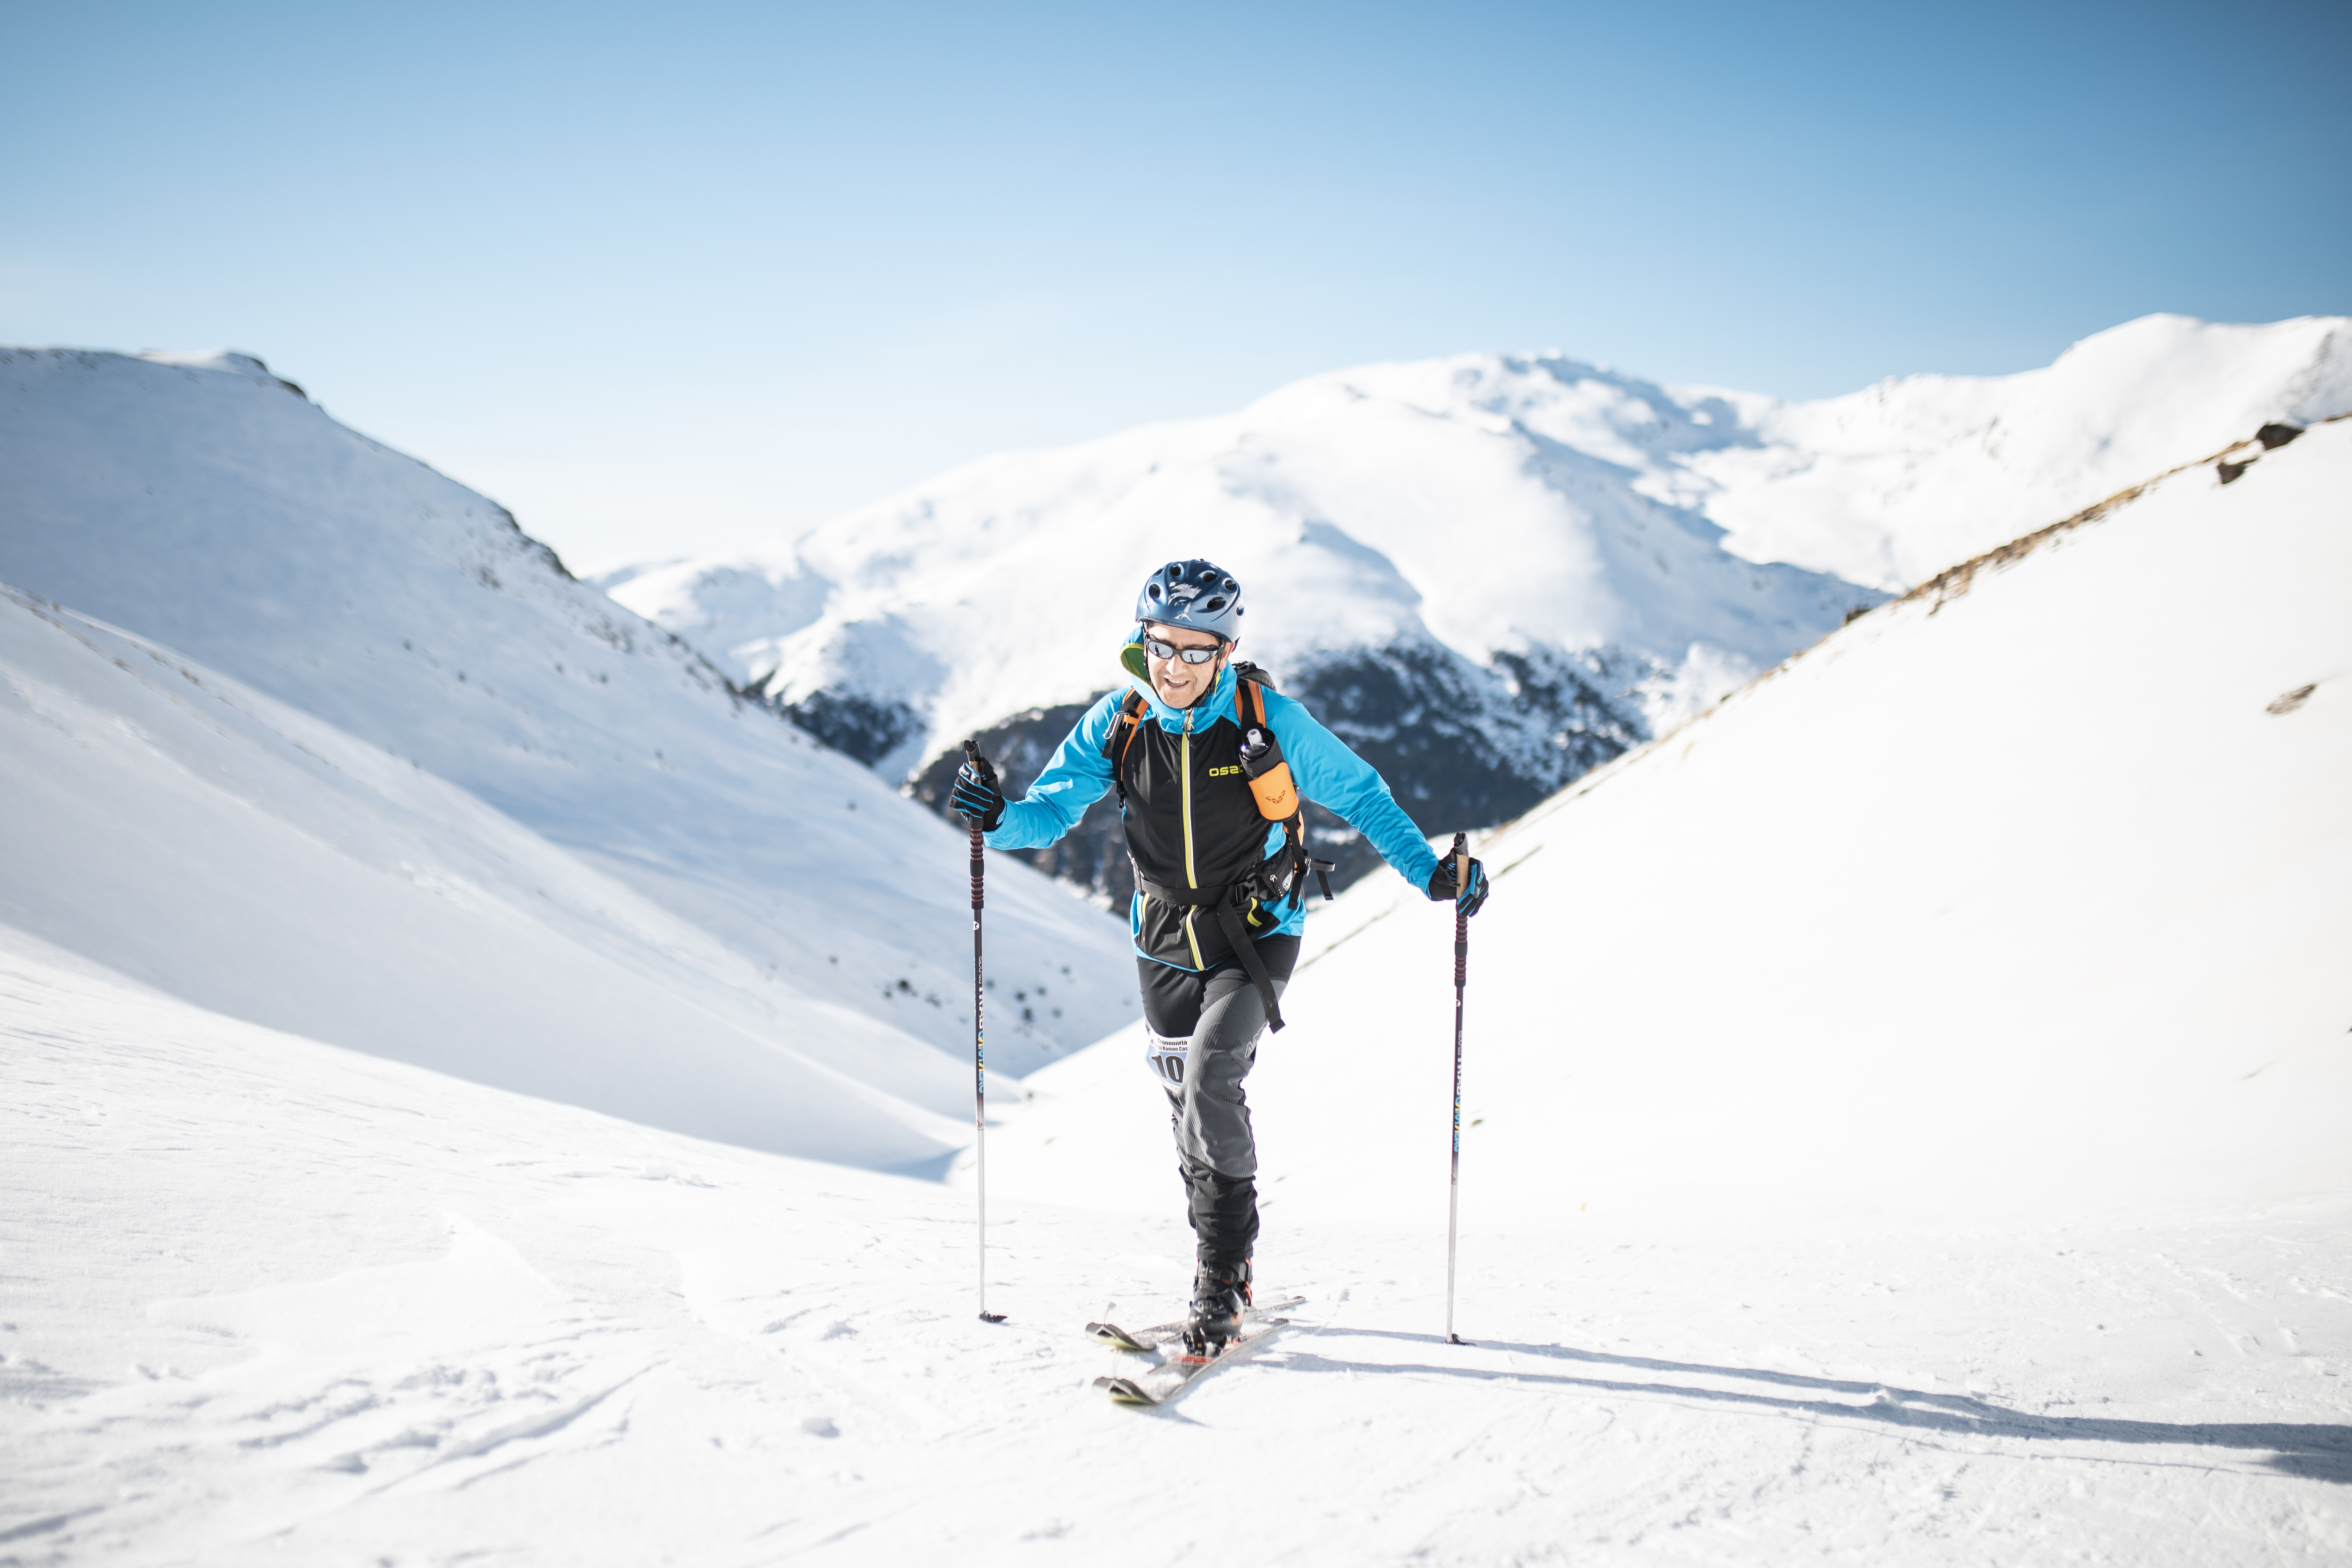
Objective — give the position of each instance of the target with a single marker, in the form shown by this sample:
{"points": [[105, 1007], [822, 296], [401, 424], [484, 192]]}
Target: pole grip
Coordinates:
{"points": [[1461, 857], [971, 755]]}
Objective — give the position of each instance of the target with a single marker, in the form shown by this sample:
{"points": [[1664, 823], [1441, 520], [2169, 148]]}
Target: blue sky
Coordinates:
{"points": [[666, 278]]}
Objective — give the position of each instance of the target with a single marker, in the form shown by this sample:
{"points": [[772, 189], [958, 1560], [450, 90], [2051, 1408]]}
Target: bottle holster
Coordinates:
{"points": [[1268, 775]]}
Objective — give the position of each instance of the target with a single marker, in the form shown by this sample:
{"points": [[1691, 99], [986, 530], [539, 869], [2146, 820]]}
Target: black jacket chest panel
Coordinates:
{"points": [[1176, 782]]}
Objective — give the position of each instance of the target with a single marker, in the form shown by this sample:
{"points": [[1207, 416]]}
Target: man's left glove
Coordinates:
{"points": [[1467, 901], [976, 795]]}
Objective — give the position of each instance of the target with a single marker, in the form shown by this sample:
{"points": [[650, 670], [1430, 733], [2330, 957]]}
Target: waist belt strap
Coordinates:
{"points": [[1229, 920]]}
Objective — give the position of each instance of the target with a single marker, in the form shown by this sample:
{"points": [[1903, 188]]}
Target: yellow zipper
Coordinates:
{"points": [[1185, 773], [1186, 770]]}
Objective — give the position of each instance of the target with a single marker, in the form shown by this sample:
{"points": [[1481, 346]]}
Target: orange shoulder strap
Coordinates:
{"points": [[1132, 711]]}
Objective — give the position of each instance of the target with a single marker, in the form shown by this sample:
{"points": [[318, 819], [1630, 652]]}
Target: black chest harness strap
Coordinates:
{"points": [[1225, 902]]}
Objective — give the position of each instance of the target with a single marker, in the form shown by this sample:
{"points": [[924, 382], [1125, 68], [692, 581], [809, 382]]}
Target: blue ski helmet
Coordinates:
{"points": [[1197, 595]]}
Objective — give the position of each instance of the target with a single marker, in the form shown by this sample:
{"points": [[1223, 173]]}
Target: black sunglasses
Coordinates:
{"points": [[1159, 650]]}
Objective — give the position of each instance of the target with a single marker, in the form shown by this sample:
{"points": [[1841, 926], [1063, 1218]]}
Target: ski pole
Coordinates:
{"points": [[1460, 975], [979, 1045]]}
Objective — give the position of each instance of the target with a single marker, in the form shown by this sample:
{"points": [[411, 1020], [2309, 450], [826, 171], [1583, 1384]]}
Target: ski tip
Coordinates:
{"points": [[1124, 1391], [1111, 1334], [992, 1317]]}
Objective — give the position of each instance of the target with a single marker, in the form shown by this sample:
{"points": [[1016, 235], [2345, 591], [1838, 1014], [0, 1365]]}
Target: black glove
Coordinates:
{"points": [[976, 795], [1469, 901]]}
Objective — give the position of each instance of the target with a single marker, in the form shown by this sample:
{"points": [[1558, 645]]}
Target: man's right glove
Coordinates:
{"points": [[976, 795], [1469, 901]]}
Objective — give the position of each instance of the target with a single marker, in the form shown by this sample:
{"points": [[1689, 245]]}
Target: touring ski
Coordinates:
{"points": [[1159, 1382]]}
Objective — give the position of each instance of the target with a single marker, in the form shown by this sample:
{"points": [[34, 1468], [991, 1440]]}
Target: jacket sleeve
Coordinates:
{"points": [[1078, 776], [1331, 775]]}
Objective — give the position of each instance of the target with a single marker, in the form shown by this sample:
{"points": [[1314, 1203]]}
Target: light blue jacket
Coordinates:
{"points": [[1321, 766]]}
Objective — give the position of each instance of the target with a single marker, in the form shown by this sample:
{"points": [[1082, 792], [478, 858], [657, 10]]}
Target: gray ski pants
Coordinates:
{"points": [[1200, 1034]]}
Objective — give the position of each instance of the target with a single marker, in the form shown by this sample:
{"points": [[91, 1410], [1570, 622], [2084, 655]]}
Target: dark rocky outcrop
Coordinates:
{"points": [[858, 726]]}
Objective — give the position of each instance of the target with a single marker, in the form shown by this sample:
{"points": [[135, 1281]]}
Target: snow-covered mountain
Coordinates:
{"points": [[1467, 519], [1889, 484], [1488, 572], [211, 510]]}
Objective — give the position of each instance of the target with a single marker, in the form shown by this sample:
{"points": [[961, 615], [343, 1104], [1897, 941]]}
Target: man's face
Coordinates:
{"points": [[1181, 685]]}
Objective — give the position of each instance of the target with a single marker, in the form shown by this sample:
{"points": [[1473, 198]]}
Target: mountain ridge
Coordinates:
{"points": [[1488, 572]]}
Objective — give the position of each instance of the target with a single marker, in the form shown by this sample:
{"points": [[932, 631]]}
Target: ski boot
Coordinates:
{"points": [[1221, 1294]]}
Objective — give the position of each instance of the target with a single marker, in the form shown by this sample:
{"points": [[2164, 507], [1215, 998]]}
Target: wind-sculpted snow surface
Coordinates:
{"points": [[209, 506]]}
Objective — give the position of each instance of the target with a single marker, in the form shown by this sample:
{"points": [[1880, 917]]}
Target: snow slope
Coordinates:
{"points": [[2007, 898], [222, 847], [270, 1299], [1562, 553], [205, 504], [1909, 1108]]}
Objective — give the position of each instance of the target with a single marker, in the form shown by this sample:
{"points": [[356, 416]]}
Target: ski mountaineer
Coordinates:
{"points": [[1211, 765]]}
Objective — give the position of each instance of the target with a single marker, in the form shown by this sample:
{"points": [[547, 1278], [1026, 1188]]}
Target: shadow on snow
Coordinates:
{"points": [[2309, 1452]]}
